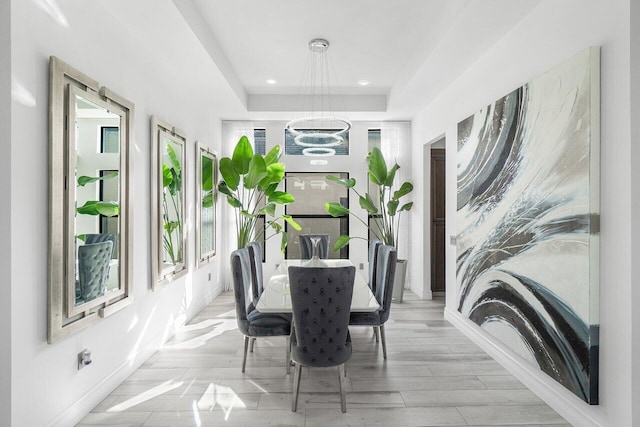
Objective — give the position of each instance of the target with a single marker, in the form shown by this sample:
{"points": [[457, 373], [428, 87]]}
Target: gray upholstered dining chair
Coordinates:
{"points": [[251, 322], [385, 270], [306, 246], [321, 302], [373, 252], [101, 237], [257, 284], [93, 269]]}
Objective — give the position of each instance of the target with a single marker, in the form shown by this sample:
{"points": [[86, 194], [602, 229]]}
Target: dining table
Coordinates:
{"points": [[276, 297]]}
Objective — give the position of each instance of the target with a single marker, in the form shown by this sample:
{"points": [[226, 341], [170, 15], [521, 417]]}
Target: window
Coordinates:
{"points": [[260, 147], [311, 191], [374, 142]]}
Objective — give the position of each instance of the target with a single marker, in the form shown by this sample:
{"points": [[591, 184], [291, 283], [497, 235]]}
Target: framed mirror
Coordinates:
{"points": [[206, 202], [90, 169], [168, 208]]}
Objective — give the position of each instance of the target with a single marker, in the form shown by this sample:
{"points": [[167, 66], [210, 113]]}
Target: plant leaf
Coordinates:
{"points": [[257, 171], [283, 242], [367, 204], [269, 209], [275, 174], [273, 155], [207, 200], [224, 189], [234, 202], [229, 173], [406, 207], [175, 163], [276, 226], [292, 222], [377, 167], [242, 155], [171, 226], [174, 185], [96, 207], [391, 175], [347, 183], [341, 242], [84, 180], [207, 173], [167, 176], [336, 209], [392, 206], [270, 189], [81, 237], [280, 197], [406, 188], [247, 214]]}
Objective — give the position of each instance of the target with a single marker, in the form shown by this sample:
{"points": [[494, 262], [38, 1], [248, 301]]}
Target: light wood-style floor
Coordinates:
{"points": [[434, 376]]}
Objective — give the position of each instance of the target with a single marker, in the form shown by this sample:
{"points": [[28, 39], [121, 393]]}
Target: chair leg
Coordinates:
{"points": [[384, 341], [296, 387], [253, 340], [376, 333], [288, 350], [244, 359], [343, 397]]}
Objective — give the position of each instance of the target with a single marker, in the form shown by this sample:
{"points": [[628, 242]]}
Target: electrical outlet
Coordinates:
{"points": [[209, 276], [361, 266], [84, 359]]}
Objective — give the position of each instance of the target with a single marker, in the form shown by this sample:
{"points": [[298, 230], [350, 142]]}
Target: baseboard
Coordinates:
{"points": [[553, 394], [197, 308], [81, 407]]}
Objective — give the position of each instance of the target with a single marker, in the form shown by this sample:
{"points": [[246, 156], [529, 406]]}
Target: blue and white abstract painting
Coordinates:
{"points": [[527, 210]]}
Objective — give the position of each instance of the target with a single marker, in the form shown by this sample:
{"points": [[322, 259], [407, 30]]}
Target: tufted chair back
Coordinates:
{"points": [[241, 274], [255, 255], [93, 268], [321, 300], [306, 247], [385, 277], [102, 237], [373, 252]]}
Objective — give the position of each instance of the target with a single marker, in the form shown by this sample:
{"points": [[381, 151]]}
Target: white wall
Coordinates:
{"points": [[5, 214], [635, 200], [551, 33], [144, 52]]}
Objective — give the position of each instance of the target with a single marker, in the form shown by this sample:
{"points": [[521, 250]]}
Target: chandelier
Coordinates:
{"points": [[320, 128]]}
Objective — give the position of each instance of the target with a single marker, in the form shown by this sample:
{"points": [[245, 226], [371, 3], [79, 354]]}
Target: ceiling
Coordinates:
{"points": [[408, 50]]}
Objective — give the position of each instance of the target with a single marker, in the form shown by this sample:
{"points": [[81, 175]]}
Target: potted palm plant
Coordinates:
{"points": [[250, 182], [384, 208]]}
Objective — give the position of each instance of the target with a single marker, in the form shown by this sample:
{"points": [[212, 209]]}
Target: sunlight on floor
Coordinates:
{"points": [[220, 327], [222, 396], [147, 395]]}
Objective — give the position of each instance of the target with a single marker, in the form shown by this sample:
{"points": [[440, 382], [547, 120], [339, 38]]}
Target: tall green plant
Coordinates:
{"points": [[249, 180], [172, 195], [387, 225]]}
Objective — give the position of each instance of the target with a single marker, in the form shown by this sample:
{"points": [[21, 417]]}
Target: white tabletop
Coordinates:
{"points": [[276, 297]]}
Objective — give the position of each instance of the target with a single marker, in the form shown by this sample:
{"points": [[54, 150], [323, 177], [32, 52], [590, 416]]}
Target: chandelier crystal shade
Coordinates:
{"points": [[320, 128]]}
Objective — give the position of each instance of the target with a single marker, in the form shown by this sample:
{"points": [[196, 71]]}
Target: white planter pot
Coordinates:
{"points": [[398, 285]]}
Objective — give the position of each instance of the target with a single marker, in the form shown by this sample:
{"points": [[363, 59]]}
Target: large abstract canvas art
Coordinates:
{"points": [[527, 216]]}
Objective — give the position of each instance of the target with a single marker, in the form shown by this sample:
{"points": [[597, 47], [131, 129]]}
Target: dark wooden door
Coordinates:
{"points": [[438, 221]]}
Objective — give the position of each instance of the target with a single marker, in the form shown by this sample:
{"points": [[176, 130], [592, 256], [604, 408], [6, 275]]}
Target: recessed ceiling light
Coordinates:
{"points": [[271, 81], [318, 162], [363, 82]]}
